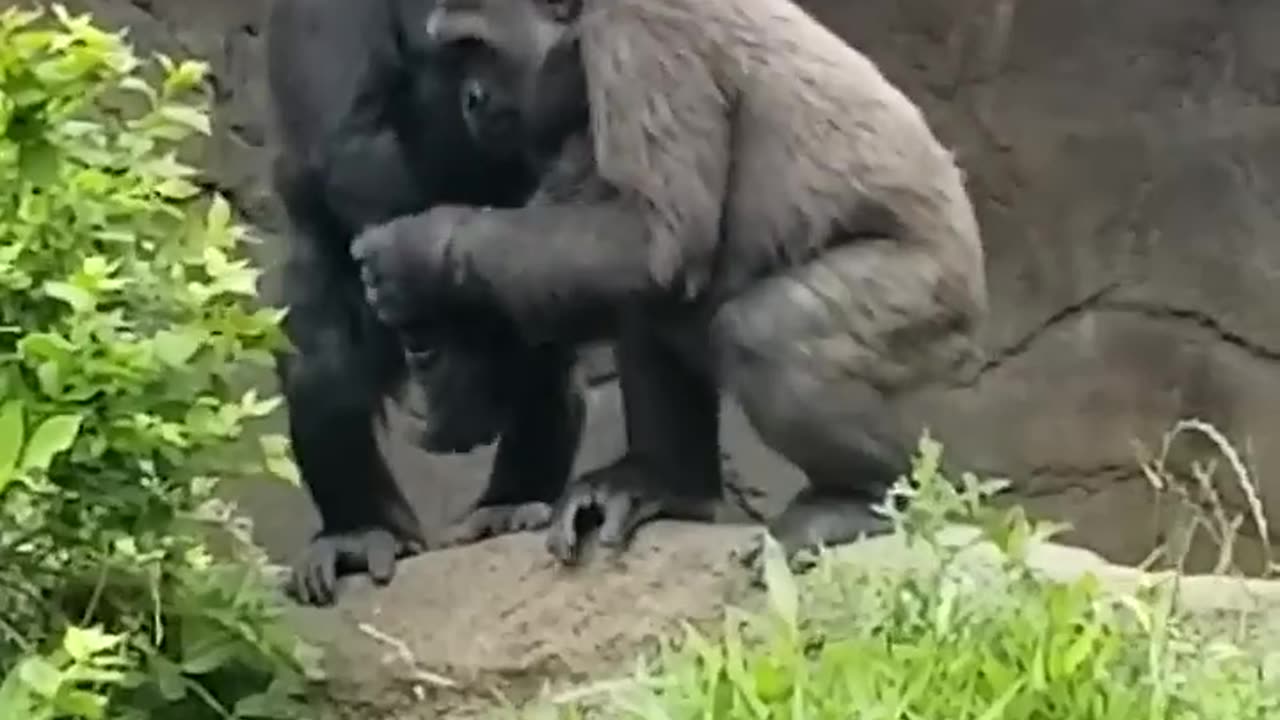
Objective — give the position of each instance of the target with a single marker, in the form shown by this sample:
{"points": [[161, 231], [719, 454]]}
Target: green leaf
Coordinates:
{"points": [[168, 677], [209, 656], [81, 704], [54, 436], [272, 704], [187, 117], [996, 710], [177, 189], [38, 162], [79, 299], [49, 375], [176, 348], [275, 451], [218, 220], [41, 676], [11, 439], [139, 86], [15, 700], [780, 583], [45, 345], [187, 75], [83, 643]]}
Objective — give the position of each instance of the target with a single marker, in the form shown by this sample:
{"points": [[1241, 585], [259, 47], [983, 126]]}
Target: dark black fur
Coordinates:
{"points": [[672, 467], [370, 129]]}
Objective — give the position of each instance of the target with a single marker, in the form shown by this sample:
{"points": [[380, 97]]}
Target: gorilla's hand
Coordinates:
{"points": [[405, 264], [328, 556]]}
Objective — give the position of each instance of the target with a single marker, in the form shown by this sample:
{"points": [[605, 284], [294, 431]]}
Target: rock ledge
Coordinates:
{"points": [[457, 625]]}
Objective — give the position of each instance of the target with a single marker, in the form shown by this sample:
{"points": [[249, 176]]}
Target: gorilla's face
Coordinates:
{"points": [[522, 78]]}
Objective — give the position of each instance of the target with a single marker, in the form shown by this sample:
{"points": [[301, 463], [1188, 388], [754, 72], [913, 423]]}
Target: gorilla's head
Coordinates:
{"points": [[523, 83]]}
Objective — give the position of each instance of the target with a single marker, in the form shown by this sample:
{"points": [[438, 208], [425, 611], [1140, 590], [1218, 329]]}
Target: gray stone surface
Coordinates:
{"points": [[1124, 158]]}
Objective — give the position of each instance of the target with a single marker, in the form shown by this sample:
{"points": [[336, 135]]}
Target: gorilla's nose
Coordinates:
{"points": [[475, 97]]}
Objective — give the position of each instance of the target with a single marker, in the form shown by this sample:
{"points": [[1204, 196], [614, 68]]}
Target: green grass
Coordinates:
{"points": [[943, 641]]}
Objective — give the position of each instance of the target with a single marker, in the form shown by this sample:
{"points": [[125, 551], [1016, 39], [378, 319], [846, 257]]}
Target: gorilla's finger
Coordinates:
{"points": [[301, 583], [562, 537], [640, 513], [380, 557], [321, 578], [530, 516], [562, 543], [617, 508], [460, 533], [362, 247], [294, 585], [749, 557]]}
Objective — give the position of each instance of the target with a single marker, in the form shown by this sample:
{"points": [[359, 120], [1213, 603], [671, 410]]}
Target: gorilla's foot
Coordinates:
{"points": [[813, 521], [486, 521], [621, 497], [374, 551]]}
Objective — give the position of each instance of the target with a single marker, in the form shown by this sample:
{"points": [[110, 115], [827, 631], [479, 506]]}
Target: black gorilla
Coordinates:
{"points": [[769, 215], [370, 129]]}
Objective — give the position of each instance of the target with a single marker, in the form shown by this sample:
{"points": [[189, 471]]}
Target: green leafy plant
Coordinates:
{"points": [[69, 681], [128, 329], [942, 640]]}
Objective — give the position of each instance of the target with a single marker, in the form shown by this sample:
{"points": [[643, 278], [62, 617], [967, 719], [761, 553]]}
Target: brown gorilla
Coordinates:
{"points": [[767, 216]]}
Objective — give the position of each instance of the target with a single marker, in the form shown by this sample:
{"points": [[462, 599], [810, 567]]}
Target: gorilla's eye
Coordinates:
{"points": [[563, 10], [465, 48], [466, 45]]}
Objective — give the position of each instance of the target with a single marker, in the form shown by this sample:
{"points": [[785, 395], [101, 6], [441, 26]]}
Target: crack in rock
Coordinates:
{"points": [[1024, 344], [1198, 318], [1103, 301]]}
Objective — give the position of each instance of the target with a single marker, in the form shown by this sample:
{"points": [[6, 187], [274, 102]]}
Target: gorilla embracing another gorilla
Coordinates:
{"points": [[371, 129], [738, 197]]}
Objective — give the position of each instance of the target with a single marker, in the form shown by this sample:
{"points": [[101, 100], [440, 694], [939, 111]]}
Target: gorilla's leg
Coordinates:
{"points": [[843, 438], [536, 453], [672, 466], [817, 357], [334, 382]]}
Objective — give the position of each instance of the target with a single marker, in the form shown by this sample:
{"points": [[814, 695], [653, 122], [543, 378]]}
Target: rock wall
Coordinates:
{"points": [[1125, 159]]}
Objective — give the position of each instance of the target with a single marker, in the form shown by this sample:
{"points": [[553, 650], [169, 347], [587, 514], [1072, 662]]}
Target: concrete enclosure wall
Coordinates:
{"points": [[1125, 159]]}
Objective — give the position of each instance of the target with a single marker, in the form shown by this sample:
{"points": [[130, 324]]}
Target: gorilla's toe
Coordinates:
{"points": [[617, 499], [493, 520], [814, 522]]}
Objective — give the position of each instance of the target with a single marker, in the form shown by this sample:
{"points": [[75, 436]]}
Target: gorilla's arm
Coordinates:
{"points": [[332, 68], [342, 366], [584, 260], [329, 62], [661, 120], [661, 134], [559, 272], [661, 131]]}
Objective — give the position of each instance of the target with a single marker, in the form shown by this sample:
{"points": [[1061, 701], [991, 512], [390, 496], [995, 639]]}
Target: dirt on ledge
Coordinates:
{"points": [[457, 624]]}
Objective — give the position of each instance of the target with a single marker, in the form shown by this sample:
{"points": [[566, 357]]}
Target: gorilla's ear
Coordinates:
{"points": [[563, 11]]}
